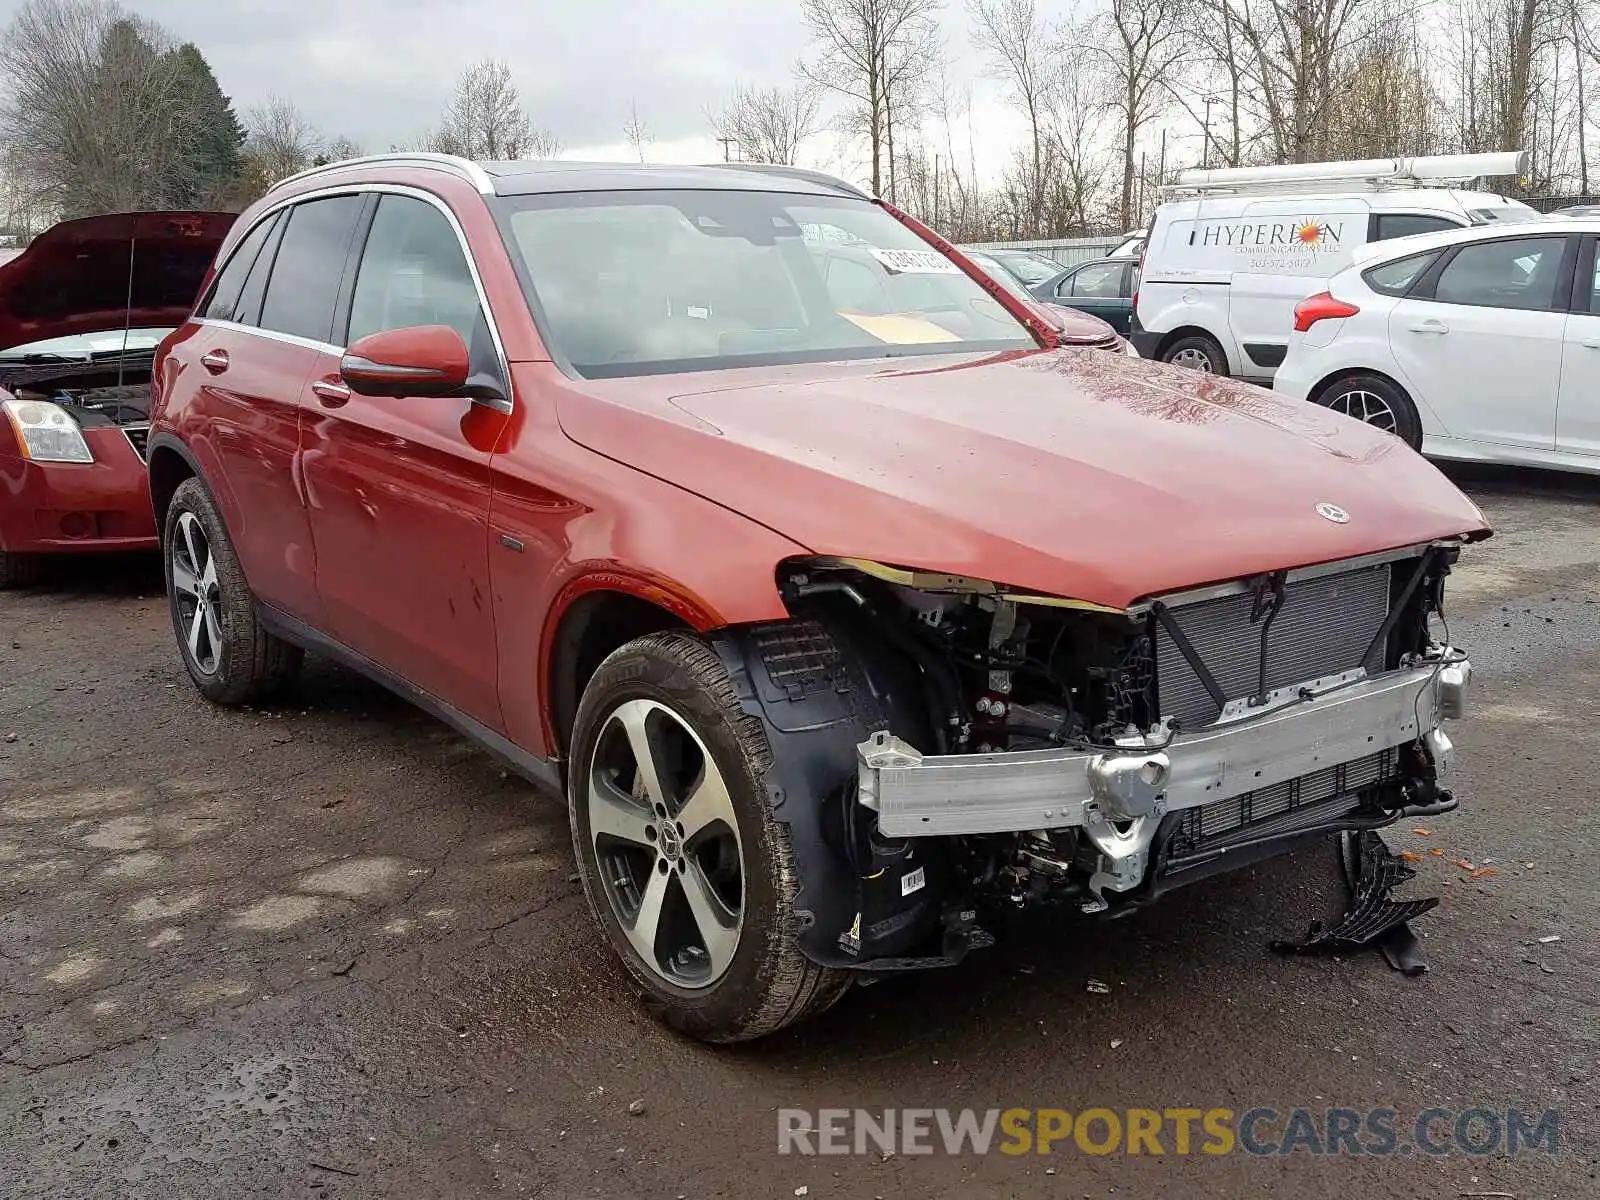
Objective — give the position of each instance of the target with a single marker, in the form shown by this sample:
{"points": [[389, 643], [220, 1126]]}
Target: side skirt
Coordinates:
{"points": [[541, 771]]}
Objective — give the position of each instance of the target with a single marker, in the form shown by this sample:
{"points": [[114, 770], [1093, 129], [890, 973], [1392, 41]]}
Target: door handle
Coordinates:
{"points": [[331, 392], [1591, 343], [1429, 326], [215, 361]]}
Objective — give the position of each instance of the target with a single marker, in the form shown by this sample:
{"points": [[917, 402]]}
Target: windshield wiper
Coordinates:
{"points": [[44, 358]]}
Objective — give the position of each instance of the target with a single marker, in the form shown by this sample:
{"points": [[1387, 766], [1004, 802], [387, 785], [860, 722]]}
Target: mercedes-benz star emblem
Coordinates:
{"points": [[1332, 512]]}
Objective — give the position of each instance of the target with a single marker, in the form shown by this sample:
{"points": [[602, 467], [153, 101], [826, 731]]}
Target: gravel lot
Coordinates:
{"points": [[331, 950]]}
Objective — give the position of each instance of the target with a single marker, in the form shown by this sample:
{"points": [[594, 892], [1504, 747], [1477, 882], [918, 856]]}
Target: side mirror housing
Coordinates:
{"points": [[422, 360]]}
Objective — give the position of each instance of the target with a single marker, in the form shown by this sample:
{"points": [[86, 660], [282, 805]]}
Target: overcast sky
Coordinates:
{"points": [[379, 71]]}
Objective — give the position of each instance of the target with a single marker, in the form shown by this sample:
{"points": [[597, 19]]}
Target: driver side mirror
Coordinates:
{"points": [[422, 360]]}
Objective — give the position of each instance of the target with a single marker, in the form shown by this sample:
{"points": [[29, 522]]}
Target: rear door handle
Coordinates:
{"points": [[1591, 343], [215, 361], [331, 392], [1429, 326]]}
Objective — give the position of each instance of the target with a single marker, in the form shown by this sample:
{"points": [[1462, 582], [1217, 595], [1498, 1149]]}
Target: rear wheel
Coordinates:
{"points": [[1378, 402], [230, 657], [1197, 352], [683, 865], [19, 570]]}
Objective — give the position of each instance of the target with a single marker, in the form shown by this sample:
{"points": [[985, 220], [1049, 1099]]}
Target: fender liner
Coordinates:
{"points": [[818, 695]]}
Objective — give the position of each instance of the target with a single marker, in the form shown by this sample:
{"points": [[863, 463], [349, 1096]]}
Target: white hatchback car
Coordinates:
{"points": [[1475, 344]]}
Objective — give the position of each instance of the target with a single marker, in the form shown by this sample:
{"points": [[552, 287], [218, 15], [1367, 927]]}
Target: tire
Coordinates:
{"points": [[230, 657], [1375, 401], [19, 570], [671, 693], [1197, 352]]}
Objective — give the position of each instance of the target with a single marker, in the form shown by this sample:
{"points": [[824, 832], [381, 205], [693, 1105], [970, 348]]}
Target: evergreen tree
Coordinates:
{"points": [[213, 137]]}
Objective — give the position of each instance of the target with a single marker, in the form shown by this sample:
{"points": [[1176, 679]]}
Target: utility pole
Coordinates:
{"points": [[936, 193], [727, 148], [1205, 149], [1161, 175]]}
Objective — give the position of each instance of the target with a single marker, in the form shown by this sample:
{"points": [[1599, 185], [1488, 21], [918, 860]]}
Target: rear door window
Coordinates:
{"points": [[309, 266], [1517, 273]]}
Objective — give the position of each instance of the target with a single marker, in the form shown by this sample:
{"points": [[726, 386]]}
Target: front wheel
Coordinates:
{"points": [[1375, 401], [684, 867]]}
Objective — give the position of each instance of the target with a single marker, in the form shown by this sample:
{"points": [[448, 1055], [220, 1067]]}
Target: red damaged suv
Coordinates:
{"points": [[839, 597], [82, 310]]}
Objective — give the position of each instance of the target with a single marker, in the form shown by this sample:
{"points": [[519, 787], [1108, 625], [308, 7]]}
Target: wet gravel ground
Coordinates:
{"points": [[331, 950]]}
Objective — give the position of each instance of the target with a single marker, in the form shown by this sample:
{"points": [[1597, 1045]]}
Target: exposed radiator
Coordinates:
{"points": [[1323, 628]]}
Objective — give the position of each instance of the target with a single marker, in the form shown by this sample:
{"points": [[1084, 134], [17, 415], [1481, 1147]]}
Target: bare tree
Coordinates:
{"points": [[484, 118], [1015, 39], [877, 57], [281, 140], [1138, 53], [638, 134], [100, 113], [768, 125]]}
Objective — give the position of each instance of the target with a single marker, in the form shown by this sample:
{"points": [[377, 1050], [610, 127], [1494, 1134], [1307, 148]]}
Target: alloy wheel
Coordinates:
{"points": [[198, 595], [1194, 359], [666, 841], [1365, 406]]}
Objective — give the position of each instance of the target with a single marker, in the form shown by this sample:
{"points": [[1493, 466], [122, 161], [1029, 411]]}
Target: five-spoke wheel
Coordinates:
{"points": [[194, 586]]}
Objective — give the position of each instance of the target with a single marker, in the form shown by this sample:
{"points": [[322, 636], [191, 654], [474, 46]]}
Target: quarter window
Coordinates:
{"points": [[1517, 273], [1396, 278], [309, 266], [224, 302], [413, 272]]}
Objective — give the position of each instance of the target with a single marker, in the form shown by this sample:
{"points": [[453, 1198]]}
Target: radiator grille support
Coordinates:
{"points": [[1324, 627]]}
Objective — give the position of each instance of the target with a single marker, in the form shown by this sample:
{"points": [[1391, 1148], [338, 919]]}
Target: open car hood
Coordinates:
{"points": [[1074, 473], [100, 273]]}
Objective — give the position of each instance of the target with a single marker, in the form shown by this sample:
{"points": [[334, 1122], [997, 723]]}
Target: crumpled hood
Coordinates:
{"points": [[1072, 472], [75, 277]]}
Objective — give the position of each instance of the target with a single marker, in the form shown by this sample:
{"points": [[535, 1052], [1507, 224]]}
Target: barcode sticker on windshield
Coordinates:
{"points": [[919, 262]]}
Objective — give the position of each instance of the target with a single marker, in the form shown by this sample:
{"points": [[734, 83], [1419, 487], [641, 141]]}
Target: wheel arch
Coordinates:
{"points": [[1427, 419], [593, 616], [169, 466]]}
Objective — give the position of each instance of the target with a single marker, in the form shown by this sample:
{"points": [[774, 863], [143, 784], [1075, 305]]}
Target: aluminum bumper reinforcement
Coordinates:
{"points": [[1119, 796]]}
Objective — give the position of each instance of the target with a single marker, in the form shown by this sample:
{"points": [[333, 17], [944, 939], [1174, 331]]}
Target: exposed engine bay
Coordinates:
{"points": [[97, 394], [960, 670]]}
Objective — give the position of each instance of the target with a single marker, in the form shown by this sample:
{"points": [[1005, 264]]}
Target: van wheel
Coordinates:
{"points": [[19, 570], [1378, 402], [684, 867], [230, 657], [1197, 352]]}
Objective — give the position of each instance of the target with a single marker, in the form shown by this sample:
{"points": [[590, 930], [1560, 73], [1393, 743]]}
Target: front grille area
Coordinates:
{"points": [[1323, 628], [1200, 826], [138, 437]]}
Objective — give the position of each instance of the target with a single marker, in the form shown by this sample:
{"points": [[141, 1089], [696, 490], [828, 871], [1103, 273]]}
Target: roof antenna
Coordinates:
{"points": [[127, 308]]}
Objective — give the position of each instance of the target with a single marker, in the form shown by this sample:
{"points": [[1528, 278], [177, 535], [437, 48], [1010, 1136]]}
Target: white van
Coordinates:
{"points": [[1232, 253]]}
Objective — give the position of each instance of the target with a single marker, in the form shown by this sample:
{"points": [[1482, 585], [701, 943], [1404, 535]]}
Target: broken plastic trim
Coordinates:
{"points": [[1371, 871]]}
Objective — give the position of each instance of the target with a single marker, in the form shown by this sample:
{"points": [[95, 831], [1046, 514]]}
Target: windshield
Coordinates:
{"points": [[1029, 268], [88, 345], [997, 271], [637, 283]]}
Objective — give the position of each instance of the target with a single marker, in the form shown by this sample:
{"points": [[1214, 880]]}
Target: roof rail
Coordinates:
{"points": [[806, 173], [1361, 175], [455, 165]]}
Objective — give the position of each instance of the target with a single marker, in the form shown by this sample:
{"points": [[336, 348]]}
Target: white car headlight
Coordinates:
{"points": [[47, 433]]}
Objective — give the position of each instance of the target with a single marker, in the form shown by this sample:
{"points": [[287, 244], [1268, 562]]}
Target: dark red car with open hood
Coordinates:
{"points": [[844, 600], [82, 310]]}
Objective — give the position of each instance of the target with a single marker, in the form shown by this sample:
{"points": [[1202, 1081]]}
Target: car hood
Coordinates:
{"points": [[99, 273], [1071, 472], [1076, 327]]}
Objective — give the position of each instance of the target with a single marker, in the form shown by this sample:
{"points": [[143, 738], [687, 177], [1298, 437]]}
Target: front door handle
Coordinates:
{"points": [[215, 361], [1429, 326], [1591, 343], [331, 392]]}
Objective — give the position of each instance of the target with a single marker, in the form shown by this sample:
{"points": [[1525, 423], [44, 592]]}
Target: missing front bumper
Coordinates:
{"points": [[1118, 798]]}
